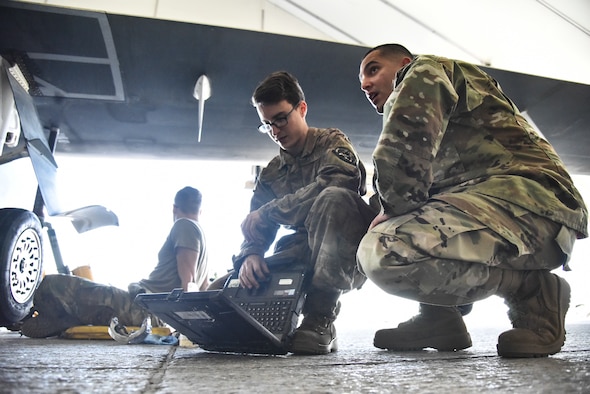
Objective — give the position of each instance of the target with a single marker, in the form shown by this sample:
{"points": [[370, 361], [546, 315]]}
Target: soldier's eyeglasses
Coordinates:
{"points": [[280, 122]]}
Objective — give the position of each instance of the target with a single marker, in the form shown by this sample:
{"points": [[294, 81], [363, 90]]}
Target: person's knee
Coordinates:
{"points": [[337, 205], [373, 254], [335, 196], [388, 267], [331, 191]]}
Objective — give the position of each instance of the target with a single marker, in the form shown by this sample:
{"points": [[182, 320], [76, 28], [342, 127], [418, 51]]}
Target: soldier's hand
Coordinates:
{"points": [[379, 219], [250, 227], [253, 270]]}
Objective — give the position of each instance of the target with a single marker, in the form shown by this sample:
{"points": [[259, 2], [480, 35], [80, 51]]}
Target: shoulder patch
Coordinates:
{"points": [[345, 155]]}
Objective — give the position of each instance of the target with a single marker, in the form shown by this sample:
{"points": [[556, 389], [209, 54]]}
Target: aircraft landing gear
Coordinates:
{"points": [[21, 263]]}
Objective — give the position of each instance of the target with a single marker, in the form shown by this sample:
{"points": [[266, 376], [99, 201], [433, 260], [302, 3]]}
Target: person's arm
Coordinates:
{"points": [[204, 284], [186, 262], [415, 120], [258, 235], [335, 164]]}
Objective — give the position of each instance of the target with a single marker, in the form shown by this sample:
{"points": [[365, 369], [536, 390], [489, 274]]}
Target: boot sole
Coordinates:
{"points": [[442, 344], [517, 350], [314, 348], [530, 351], [45, 328]]}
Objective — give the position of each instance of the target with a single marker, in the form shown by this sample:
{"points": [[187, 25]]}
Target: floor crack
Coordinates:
{"points": [[155, 381]]}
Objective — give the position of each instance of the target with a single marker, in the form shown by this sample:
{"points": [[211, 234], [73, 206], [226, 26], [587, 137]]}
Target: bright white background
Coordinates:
{"points": [[141, 192]]}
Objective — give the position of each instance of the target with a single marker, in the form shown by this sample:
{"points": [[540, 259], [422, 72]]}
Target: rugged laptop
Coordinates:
{"points": [[235, 319]]}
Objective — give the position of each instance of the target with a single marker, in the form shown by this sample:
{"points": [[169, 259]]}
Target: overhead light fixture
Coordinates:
{"points": [[202, 92]]}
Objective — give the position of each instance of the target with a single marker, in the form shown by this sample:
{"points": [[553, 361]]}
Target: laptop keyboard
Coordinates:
{"points": [[271, 314]]}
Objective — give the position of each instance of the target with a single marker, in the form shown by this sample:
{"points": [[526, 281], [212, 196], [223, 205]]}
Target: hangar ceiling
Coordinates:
{"points": [[117, 84]]}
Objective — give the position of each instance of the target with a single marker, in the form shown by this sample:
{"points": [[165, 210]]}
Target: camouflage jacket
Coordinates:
{"points": [[288, 186], [450, 133]]}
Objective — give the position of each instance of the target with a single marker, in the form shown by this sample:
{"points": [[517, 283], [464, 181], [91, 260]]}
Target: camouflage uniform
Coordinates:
{"points": [[81, 302], [471, 188], [316, 194]]}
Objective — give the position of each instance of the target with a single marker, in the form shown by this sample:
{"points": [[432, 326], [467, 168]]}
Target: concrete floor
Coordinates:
{"points": [[103, 366]]}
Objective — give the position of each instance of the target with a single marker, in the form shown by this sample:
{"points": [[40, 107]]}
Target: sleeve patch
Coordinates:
{"points": [[345, 155]]}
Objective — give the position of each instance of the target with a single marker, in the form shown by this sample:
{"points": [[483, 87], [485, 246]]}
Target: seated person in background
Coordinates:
{"points": [[313, 187], [64, 301]]}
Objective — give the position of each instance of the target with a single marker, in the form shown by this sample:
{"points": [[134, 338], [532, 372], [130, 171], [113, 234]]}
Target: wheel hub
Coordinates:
{"points": [[25, 266]]}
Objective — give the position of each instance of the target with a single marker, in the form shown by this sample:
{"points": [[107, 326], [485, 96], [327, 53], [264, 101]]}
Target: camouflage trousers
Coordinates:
{"points": [[87, 302], [441, 255], [336, 224], [334, 227]]}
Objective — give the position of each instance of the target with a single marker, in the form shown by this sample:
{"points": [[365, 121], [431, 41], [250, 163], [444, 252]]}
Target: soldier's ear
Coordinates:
{"points": [[302, 108]]}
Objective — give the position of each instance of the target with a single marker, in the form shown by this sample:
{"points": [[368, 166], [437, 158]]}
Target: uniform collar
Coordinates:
{"points": [[310, 142]]}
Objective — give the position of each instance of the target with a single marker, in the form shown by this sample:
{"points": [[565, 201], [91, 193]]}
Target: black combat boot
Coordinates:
{"points": [[537, 311], [47, 325], [437, 327], [317, 334]]}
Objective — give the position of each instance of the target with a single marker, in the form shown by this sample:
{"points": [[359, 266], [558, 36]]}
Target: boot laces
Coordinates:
{"points": [[319, 324]]}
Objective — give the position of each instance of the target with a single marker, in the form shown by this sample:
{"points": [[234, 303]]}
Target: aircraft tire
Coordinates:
{"points": [[21, 263]]}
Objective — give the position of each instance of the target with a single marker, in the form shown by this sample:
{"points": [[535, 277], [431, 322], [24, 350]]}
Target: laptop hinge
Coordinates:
{"points": [[174, 295]]}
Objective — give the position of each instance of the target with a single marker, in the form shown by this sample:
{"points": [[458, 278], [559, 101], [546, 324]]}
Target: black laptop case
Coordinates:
{"points": [[235, 319]]}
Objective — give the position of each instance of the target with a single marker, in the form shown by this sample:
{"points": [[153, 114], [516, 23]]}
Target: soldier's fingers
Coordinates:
{"points": [[259, 274], [247, 277], [265, 268], [243, 278]]}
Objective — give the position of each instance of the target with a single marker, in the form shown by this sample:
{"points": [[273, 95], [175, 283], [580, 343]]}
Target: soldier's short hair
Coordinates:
{"points": [[393, 50], [276, 87], [188, 200]]}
